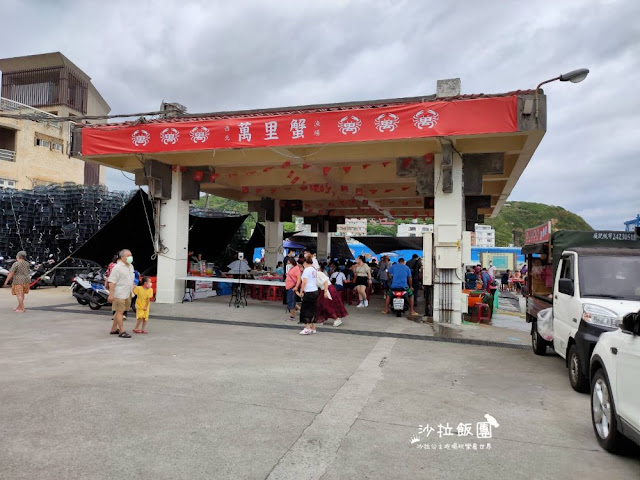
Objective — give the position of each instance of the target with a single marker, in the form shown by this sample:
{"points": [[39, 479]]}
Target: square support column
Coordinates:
{"points": [[448, 227], [174, 233], [273, 240], [324, 243]]}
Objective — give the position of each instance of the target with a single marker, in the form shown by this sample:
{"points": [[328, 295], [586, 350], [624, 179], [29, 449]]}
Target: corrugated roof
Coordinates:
{"points": [[311, 108]]}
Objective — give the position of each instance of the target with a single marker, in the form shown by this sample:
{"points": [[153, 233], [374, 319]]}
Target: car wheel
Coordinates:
{"points": [[603, 414], [577, 378], [538, 343]]}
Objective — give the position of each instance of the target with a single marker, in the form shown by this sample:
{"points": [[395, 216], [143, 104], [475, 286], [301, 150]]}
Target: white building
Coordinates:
{"points": [[413, 229], [485, 236], [301, 226], [353, 227]]}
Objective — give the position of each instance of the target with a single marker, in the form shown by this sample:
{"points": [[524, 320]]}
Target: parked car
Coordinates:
{"points": [[615, 389]]}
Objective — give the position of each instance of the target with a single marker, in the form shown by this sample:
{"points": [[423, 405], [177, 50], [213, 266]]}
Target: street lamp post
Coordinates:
{"points": [[574, 76]]}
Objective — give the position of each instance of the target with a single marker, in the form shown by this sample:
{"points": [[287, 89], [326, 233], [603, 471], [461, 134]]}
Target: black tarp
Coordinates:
{"points": [[339, 247], [133, 228], [257, 240], [380, 244]]}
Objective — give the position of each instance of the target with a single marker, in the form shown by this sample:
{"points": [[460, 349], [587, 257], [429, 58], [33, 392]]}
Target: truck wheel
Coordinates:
{"points": [[603, 414], [538, 343], [577, 378]]}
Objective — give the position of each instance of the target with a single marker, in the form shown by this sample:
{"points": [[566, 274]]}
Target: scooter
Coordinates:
{"points": [[4, 271], [80, 288], [399, 301], [42, 276], [97, 295]]}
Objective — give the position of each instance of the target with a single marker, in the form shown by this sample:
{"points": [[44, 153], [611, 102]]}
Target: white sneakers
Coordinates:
{"points": [[366, 303], [360, 305], [363, 304], [307, 331], [337, 322]]}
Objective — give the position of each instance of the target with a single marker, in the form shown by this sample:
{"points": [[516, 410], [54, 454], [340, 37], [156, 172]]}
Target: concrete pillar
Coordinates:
{"points": [[174, 233], [324, 243], [273, 239], [448, 227]]}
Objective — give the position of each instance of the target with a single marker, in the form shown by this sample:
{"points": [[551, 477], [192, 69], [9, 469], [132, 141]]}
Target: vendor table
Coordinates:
{"points": [[238, 292]]}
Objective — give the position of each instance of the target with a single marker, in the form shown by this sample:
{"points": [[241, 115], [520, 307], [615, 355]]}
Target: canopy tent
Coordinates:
{"points": [[380, 244], [133, 228]]}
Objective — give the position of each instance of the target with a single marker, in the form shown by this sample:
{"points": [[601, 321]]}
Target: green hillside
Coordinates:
{"points": [[518, 216]]}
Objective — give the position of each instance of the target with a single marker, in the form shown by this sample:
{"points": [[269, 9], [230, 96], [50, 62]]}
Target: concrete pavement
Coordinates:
{"points": [[244, 398]]}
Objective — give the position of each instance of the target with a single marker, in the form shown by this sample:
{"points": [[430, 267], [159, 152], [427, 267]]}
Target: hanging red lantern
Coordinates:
{"points": [[326, 170], [245, 189], [358, 192], [198, 175], [213, 176], [344, 188], [428, 158]]}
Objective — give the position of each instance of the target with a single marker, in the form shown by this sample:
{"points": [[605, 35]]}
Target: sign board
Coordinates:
{"points": [[540, 234]]}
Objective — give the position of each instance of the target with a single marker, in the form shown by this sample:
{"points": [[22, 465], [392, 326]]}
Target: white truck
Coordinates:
{"points": [[591, 280]]}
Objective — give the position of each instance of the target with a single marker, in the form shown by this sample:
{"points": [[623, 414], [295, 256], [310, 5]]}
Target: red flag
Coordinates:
{"points": [[286, 164], [406, 162], [344, 188], [252, 172], [198, 175], [291, 172], [326, 170], [373, 191], [303, 186], [405, 188], [273, 190], [358, 192], [245, 189], [365, 166], [259, 190], [266, 169], [388, 190], [346, 169], [384, 164], [295, 180], [306, 165]]}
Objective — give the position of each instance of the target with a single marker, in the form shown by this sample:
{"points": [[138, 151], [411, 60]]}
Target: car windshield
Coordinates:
{"points": [[610, 277]]}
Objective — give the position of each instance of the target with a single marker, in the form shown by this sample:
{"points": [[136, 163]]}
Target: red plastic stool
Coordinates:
{"points": [[274, 294], [482, 312]]}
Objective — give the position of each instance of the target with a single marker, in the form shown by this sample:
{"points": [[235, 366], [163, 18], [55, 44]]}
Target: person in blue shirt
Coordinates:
{"points": [[486, 280], [400, 277]]}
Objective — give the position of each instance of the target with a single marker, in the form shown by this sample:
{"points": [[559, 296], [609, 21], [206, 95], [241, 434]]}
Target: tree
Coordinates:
{"points": [[381, 230]]}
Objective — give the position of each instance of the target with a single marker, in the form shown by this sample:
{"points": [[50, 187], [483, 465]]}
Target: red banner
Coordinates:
{"points": [[416, 120], [541, 234]]}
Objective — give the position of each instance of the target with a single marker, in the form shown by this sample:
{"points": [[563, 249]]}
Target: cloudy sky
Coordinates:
{"points": [[218, 55]]}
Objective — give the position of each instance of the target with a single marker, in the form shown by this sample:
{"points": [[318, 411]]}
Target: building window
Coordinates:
{"points": [[43, 143], [6, 183], [51, 143]]}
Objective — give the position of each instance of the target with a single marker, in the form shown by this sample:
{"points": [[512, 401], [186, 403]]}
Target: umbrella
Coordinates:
{"points": [[389, 254], [292, 245], [238, 266]]}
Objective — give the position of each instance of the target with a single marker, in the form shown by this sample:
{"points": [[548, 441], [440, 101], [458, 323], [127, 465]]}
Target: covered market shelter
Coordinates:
{"points": [[451, 157]]}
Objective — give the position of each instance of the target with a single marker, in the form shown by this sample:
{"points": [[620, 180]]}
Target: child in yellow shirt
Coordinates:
{"points": [[144, 292]]}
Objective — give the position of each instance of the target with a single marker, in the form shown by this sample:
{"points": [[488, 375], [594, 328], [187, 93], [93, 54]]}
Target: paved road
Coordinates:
{"points": [[216, 400]]}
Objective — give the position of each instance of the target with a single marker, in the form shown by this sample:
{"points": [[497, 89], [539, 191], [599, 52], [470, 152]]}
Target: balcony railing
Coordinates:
{"points": [[7, 155], [11, 106]]}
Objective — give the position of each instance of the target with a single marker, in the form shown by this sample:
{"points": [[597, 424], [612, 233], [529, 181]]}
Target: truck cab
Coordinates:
{"points": [[590, 280], [594, 288]]}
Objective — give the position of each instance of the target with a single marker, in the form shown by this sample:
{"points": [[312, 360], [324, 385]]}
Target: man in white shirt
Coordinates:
{"points": [[491, 271], [309, 292], [121, 290]]}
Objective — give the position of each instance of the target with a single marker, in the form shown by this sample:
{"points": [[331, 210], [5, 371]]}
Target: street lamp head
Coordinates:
{"points": [[575, 76]]}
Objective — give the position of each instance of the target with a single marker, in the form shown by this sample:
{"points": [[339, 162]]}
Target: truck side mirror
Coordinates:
{"points": [[565, 285], [631, 323]]}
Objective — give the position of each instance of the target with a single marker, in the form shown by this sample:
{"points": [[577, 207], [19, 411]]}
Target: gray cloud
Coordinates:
{"points": [[215, 55]]}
